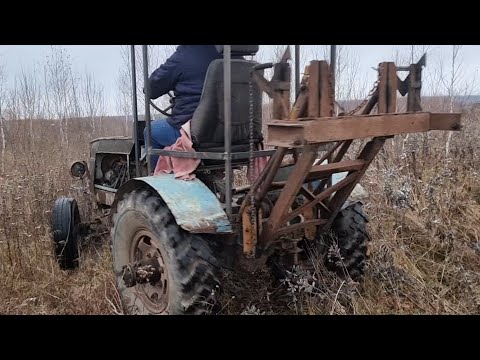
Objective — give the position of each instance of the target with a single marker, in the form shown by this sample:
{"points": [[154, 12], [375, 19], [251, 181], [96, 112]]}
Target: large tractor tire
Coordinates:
{"points": [[347, 245], [66, 237], [159, 267]]}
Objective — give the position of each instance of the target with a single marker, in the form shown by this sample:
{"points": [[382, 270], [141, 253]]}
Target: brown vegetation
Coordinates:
{"points": [[425, 224], [424, 209]]}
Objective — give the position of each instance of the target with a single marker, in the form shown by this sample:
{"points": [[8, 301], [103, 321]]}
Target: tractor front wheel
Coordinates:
{"points": [[159, 267], [66, 228]]}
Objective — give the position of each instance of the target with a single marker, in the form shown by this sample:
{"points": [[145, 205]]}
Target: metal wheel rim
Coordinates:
{"points": [[154, 297]]}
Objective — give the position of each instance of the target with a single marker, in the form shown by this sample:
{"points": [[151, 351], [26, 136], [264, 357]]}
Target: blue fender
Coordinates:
{"points": [[195, 208]]}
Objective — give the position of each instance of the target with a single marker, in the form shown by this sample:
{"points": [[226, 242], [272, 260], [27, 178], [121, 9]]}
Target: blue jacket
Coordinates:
{"points": [[184, 74]]}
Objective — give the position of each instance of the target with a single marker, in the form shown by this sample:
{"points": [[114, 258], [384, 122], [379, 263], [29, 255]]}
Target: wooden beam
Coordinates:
{"points": [[367, 155], [313, 131], [326, 99], [249, 235], [314, 89], [311, 196], [320, 171], [320, 197], [392, 88], [288, 194], [387, 88], [281, 101], [445, 121], [307, 223], [414, 88], [300, 105], [329, 153], [382, 88]]}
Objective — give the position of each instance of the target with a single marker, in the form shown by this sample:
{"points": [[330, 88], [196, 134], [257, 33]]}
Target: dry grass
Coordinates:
{"points": [[35, 174], [425, 225]]}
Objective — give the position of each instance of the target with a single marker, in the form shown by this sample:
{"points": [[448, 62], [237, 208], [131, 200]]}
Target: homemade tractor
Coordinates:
{"points": [[170, 237]]}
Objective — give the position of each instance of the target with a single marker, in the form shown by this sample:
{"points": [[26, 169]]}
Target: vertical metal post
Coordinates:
{"points": [[333, 63], [135, 110], [227, 98], [297, 70], [146, 87]]}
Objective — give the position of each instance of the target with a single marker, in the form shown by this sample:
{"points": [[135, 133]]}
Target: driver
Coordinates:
{"points": [[184, 74]]}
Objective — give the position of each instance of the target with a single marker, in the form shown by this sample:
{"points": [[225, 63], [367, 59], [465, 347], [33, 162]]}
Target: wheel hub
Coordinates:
{"points": [[142, 272], [147, 272]]}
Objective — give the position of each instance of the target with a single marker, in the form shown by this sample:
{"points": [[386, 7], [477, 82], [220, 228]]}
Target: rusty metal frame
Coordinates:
{"points": [[309, 124]]}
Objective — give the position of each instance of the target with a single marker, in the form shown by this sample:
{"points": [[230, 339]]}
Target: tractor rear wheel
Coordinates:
{"points": [[347, 245], [159, 267], [65, 227]]}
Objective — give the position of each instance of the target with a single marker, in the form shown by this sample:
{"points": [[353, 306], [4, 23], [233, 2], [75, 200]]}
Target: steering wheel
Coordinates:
{"points": [[167, 111]]}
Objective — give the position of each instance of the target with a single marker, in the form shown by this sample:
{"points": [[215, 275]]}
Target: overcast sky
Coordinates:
{"points": [[104, 61]]}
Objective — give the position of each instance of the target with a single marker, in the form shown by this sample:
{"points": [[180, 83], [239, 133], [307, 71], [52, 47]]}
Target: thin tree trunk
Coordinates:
{"points": [[4, 144]]}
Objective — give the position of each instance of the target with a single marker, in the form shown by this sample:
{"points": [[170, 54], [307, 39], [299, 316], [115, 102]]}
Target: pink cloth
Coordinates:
{"points": [[183, 168]]}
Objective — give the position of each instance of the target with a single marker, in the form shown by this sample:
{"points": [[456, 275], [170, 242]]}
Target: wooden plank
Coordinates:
{"points": [[336, 167], [414, 88], [342, 151], [288, 194], [329, 153], [314, 89], [281, 100], [263, 181], [445, 121], [311, 196], [309, 214], [382, 88], [300, 105], [320, 197], [326, 99], [392, 88], [249, 235], [355, 127], [286, 137], [298, 226], [347, 129], [368, 154]]}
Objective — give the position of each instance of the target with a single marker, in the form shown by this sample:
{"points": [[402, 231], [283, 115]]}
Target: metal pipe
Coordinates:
{"points": [[227, 98], [135, 110], [146, 87], [333, 65], [297, 70]]}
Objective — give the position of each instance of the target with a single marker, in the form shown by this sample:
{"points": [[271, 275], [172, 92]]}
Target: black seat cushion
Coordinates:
{"points": [[207, 125]]}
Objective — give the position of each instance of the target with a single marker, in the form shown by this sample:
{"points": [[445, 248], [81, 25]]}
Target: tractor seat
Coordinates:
{"points": [[207, 124]]}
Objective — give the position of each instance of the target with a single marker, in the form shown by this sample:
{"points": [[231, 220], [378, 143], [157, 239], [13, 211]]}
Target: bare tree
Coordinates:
{"points": [[93, 100], [12, 109], [451, 76], [124, 83], [3, 92], [157, 54], [60, 86], [29, 93], [29, 98]]}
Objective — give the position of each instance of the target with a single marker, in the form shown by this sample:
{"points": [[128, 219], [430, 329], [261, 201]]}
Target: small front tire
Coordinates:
{"points": [[66, 238]]}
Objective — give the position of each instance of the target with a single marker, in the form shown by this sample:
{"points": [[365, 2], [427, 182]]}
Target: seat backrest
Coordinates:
{"points": [[207, 125]]}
